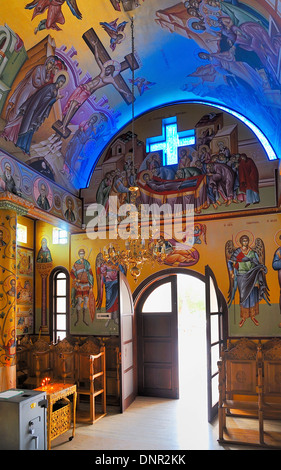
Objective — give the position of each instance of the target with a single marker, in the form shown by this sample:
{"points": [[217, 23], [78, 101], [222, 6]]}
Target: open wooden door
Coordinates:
{"points": [[158, 340], [216, 313], [127, 335]]}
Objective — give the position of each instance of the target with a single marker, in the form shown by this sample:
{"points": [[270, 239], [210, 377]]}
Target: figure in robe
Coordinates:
{"points": [[226, 65], [252, 42], [54, 13], [75, 146], [247, 272], [276, 264], [36, 78], [69, 214], [115, 31], [248, 180], [44, 254], [42, 199], [36, 109], [108, 72], [107, 281], [82, 291], [221, 179], [104, 189]]}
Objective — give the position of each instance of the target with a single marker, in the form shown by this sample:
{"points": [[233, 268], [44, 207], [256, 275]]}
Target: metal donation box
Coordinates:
{"points": [[23, 420]]}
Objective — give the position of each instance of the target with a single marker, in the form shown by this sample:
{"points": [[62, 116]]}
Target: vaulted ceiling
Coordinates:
{"points": [[111, 53]]}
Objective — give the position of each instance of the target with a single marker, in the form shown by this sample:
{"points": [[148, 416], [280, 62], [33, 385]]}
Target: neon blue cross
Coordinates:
{"points": [[170, 141]]}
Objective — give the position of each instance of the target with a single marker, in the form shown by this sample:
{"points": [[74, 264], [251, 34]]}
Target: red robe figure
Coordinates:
{"points": [[248, 180], [54, 14]]}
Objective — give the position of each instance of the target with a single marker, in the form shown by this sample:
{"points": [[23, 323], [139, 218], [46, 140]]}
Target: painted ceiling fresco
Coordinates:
{"points": [[68, 69]]}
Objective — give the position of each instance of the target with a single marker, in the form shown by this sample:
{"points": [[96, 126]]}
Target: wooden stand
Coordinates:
{"points": [[59, 418]]}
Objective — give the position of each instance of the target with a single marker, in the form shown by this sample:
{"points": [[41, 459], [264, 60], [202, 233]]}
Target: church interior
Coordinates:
{"points": [[140, 211]]}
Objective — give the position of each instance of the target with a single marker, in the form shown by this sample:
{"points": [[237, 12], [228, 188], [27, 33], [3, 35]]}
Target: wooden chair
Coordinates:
{"points": [[239, 387], [23, 361], [41, 362], [91, 376], [64, 361]]}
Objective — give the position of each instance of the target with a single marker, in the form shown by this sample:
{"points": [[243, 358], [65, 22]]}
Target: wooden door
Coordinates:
{"points": [[216, 311], [158, 339], [127, 344]]}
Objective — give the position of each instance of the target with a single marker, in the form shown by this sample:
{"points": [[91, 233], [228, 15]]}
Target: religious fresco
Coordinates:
{"points": [[247, 274], [214, 174], [251, 269], [94, 289], [22, 181], [8, 287], [23, 290], [70, 90]]}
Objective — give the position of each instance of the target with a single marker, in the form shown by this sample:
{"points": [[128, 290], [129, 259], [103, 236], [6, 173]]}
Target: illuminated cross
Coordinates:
{"points": [[170, 141]]}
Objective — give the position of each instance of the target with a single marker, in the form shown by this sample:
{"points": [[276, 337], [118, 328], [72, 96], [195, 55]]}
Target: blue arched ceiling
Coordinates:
{"points": [[224, 53]]}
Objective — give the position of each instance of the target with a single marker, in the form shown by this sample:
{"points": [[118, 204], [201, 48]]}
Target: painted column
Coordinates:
{"points": [[8, 222], [44, 270]]}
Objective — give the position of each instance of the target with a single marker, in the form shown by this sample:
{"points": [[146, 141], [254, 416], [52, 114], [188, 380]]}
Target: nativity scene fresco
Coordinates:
{"points": [[68, 81]]}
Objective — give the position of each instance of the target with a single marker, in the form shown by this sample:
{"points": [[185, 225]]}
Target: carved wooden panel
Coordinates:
{"points": [[272, 377], [241, 377], [242, 349]]}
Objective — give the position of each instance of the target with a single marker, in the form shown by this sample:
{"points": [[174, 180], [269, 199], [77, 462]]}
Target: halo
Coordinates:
{"points": [[277, 238], [244, 232], [86, 249], [45, 237], [65, 74], [194, 20], [43, 182], [144, 172], [116, 65]]}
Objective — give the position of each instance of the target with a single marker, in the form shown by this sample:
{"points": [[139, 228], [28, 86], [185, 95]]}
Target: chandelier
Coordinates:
{"points": [[136, 252]]}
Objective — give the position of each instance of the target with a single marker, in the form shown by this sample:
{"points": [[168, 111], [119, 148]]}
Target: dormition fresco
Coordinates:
{"points": [[22, 181], [214, 175], [81, 62]]}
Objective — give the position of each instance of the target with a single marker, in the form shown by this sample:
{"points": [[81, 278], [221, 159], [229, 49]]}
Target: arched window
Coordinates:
{"points": [[59, 303]]}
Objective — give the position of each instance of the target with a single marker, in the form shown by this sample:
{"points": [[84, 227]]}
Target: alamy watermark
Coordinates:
{"points": [[145, 221]]}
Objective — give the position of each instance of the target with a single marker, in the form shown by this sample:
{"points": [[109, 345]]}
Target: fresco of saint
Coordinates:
{"points": [[247, 272]]}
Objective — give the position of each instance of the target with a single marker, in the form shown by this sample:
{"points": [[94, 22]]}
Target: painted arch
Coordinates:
{"points": [[58, 109]]}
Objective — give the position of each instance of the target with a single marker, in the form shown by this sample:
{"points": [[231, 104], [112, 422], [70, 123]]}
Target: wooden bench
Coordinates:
{"points": [[249, 387], [68, 362]]}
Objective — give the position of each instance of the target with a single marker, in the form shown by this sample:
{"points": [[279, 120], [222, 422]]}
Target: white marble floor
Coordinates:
{"points": [[148, 424]]}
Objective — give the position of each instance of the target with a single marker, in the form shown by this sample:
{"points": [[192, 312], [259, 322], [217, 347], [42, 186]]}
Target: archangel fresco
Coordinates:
{"points": [[276, 263], [247, 275], [71, 62]]}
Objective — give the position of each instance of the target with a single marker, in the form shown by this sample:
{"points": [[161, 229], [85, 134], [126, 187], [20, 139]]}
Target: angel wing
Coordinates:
{"points": [[229, 250], [74, 9], [99, 260], [31, 5], [260, 250]]}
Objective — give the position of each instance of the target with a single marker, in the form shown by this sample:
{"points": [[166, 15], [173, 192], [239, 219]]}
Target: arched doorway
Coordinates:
{"points": [[180, 331]]}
